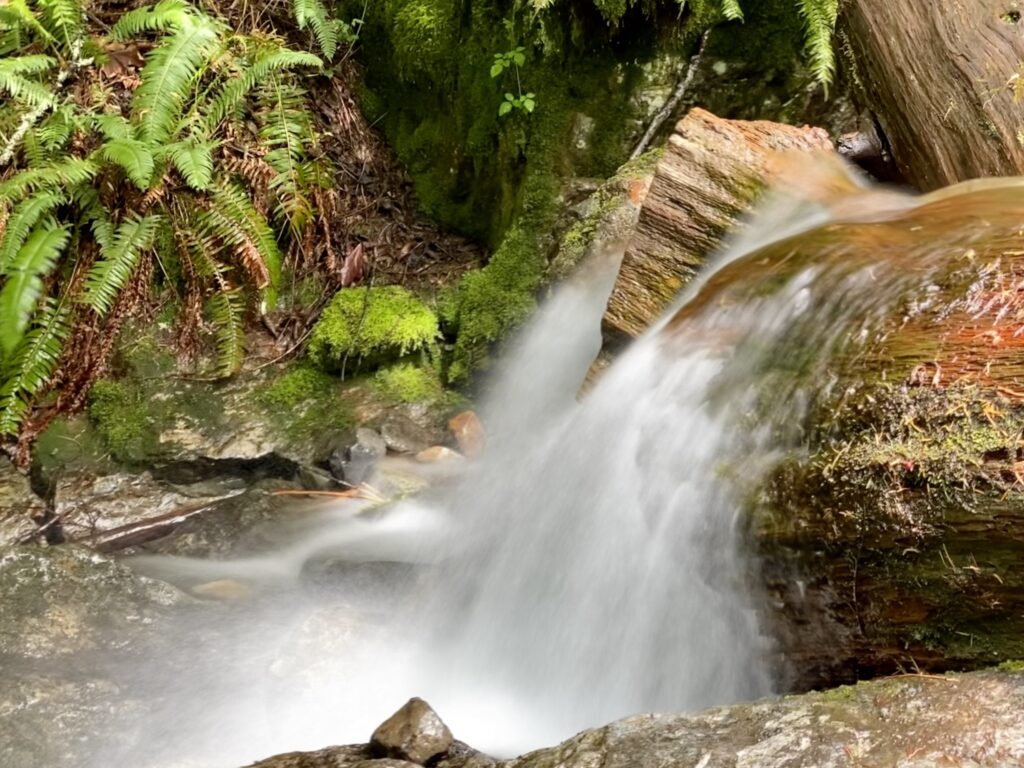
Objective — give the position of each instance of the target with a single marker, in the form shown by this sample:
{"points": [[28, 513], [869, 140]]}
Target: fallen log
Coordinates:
{"points": [[945, 81]]}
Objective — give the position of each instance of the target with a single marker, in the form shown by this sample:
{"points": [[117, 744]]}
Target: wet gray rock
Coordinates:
{"points": [[62, 600], [911, 721], [402, 434], [415, 733], [354, 464], [69, 616], [18, 505]]}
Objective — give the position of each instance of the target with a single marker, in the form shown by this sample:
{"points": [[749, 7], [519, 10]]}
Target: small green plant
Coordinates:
{"points": [[513, 60], [328, 31]]}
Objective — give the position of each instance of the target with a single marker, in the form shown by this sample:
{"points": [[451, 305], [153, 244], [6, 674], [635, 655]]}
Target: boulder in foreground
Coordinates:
{"points": [[912, 721]]}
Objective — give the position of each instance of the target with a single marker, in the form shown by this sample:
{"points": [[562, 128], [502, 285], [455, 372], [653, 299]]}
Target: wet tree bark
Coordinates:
{"points": [[946, 83]]}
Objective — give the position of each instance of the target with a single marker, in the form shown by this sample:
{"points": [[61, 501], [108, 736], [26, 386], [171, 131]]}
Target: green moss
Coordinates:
{"points": [[1014, 665], [370, 326], [408, 383], [295, 387], [123, 420]]}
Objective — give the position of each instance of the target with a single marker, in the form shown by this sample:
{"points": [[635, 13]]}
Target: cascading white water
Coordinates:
{"points": [[588, 567]]}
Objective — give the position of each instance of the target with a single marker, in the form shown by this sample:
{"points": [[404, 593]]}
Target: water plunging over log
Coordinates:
{"points": [[591, 565]]}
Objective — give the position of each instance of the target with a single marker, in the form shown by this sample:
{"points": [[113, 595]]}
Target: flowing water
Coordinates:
{"points": [[591, 564]]}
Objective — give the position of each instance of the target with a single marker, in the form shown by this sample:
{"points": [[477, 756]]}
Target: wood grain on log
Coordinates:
{"points": [[712, 171], [944, 79]]}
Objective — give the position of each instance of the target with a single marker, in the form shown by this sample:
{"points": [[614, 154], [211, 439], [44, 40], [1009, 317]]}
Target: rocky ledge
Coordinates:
{"points": [[911, 721]]}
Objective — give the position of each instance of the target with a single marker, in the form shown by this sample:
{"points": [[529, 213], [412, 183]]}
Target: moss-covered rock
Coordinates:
{"points": [[364, 327], [409, 383]]}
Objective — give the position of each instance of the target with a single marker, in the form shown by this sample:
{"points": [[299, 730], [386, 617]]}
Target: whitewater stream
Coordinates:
{"points": [[589, 566]]}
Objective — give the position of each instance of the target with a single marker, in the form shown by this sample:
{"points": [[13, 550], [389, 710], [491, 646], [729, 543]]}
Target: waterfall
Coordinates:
{"points": [[592, 564]]}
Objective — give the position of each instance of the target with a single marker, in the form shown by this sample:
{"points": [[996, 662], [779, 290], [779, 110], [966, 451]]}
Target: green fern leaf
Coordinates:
{"points": [[286, 130], [64, 20], [194, 161], [262, 68], [67, 173], [134, 157], [14, 78], [168, 76], [22, 220], [234, 206], [119, 256], [32, 363], [23, 283], [113, 126], [731, 10], [165, 16], [819, 25], [227, 312]]}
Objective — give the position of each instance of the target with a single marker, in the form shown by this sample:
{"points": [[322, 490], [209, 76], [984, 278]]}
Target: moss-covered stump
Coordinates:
{"points": [[711, 171]]}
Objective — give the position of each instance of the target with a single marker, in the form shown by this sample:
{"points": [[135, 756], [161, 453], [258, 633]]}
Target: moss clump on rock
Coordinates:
{"points": [[295, 387], [123, 420], [371, 326], [409, 383]]}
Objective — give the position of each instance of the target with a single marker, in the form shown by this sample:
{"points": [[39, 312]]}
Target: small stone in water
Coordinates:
{"points": [[468, 433], [438, 454]]}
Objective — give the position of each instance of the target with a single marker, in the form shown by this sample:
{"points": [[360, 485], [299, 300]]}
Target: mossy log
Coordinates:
{"points": [[711, 172], [892, 538], [945, 82]]}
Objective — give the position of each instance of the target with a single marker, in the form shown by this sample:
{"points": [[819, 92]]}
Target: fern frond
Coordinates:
{"points": [[194, 161], [66, 173], [22, 221], [227, 311], [168, 76], [233, 228], [134, 158], [120, 253], [64, 19], [23, 283], [286, 130], [14, 80], [165, 16], [313, 14], [262, 68], [112, 126], [32, 363], [731, 10], [819, 26]]}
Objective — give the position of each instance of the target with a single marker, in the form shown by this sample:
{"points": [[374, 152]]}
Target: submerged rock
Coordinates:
{"points": [[402, 434], [355, 463], [469, 433], [415, 733]]}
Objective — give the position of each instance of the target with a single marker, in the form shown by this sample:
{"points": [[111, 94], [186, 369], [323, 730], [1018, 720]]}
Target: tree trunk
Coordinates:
{"points": [[946, 83]]}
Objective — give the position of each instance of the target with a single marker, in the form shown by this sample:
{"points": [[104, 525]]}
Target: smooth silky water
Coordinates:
{"points": [[591, 565]]}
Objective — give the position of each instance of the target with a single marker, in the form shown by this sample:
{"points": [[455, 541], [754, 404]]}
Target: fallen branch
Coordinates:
{"points": [[670, 106]]}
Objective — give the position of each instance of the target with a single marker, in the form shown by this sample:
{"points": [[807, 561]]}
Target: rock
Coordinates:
{"points": [[415, 733], [711, 172], [354, 464], [18, 505], [403, 435], [469, 433], [915, 721], [222, 589], [438, 455], [60, 600], [92, 505]]}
